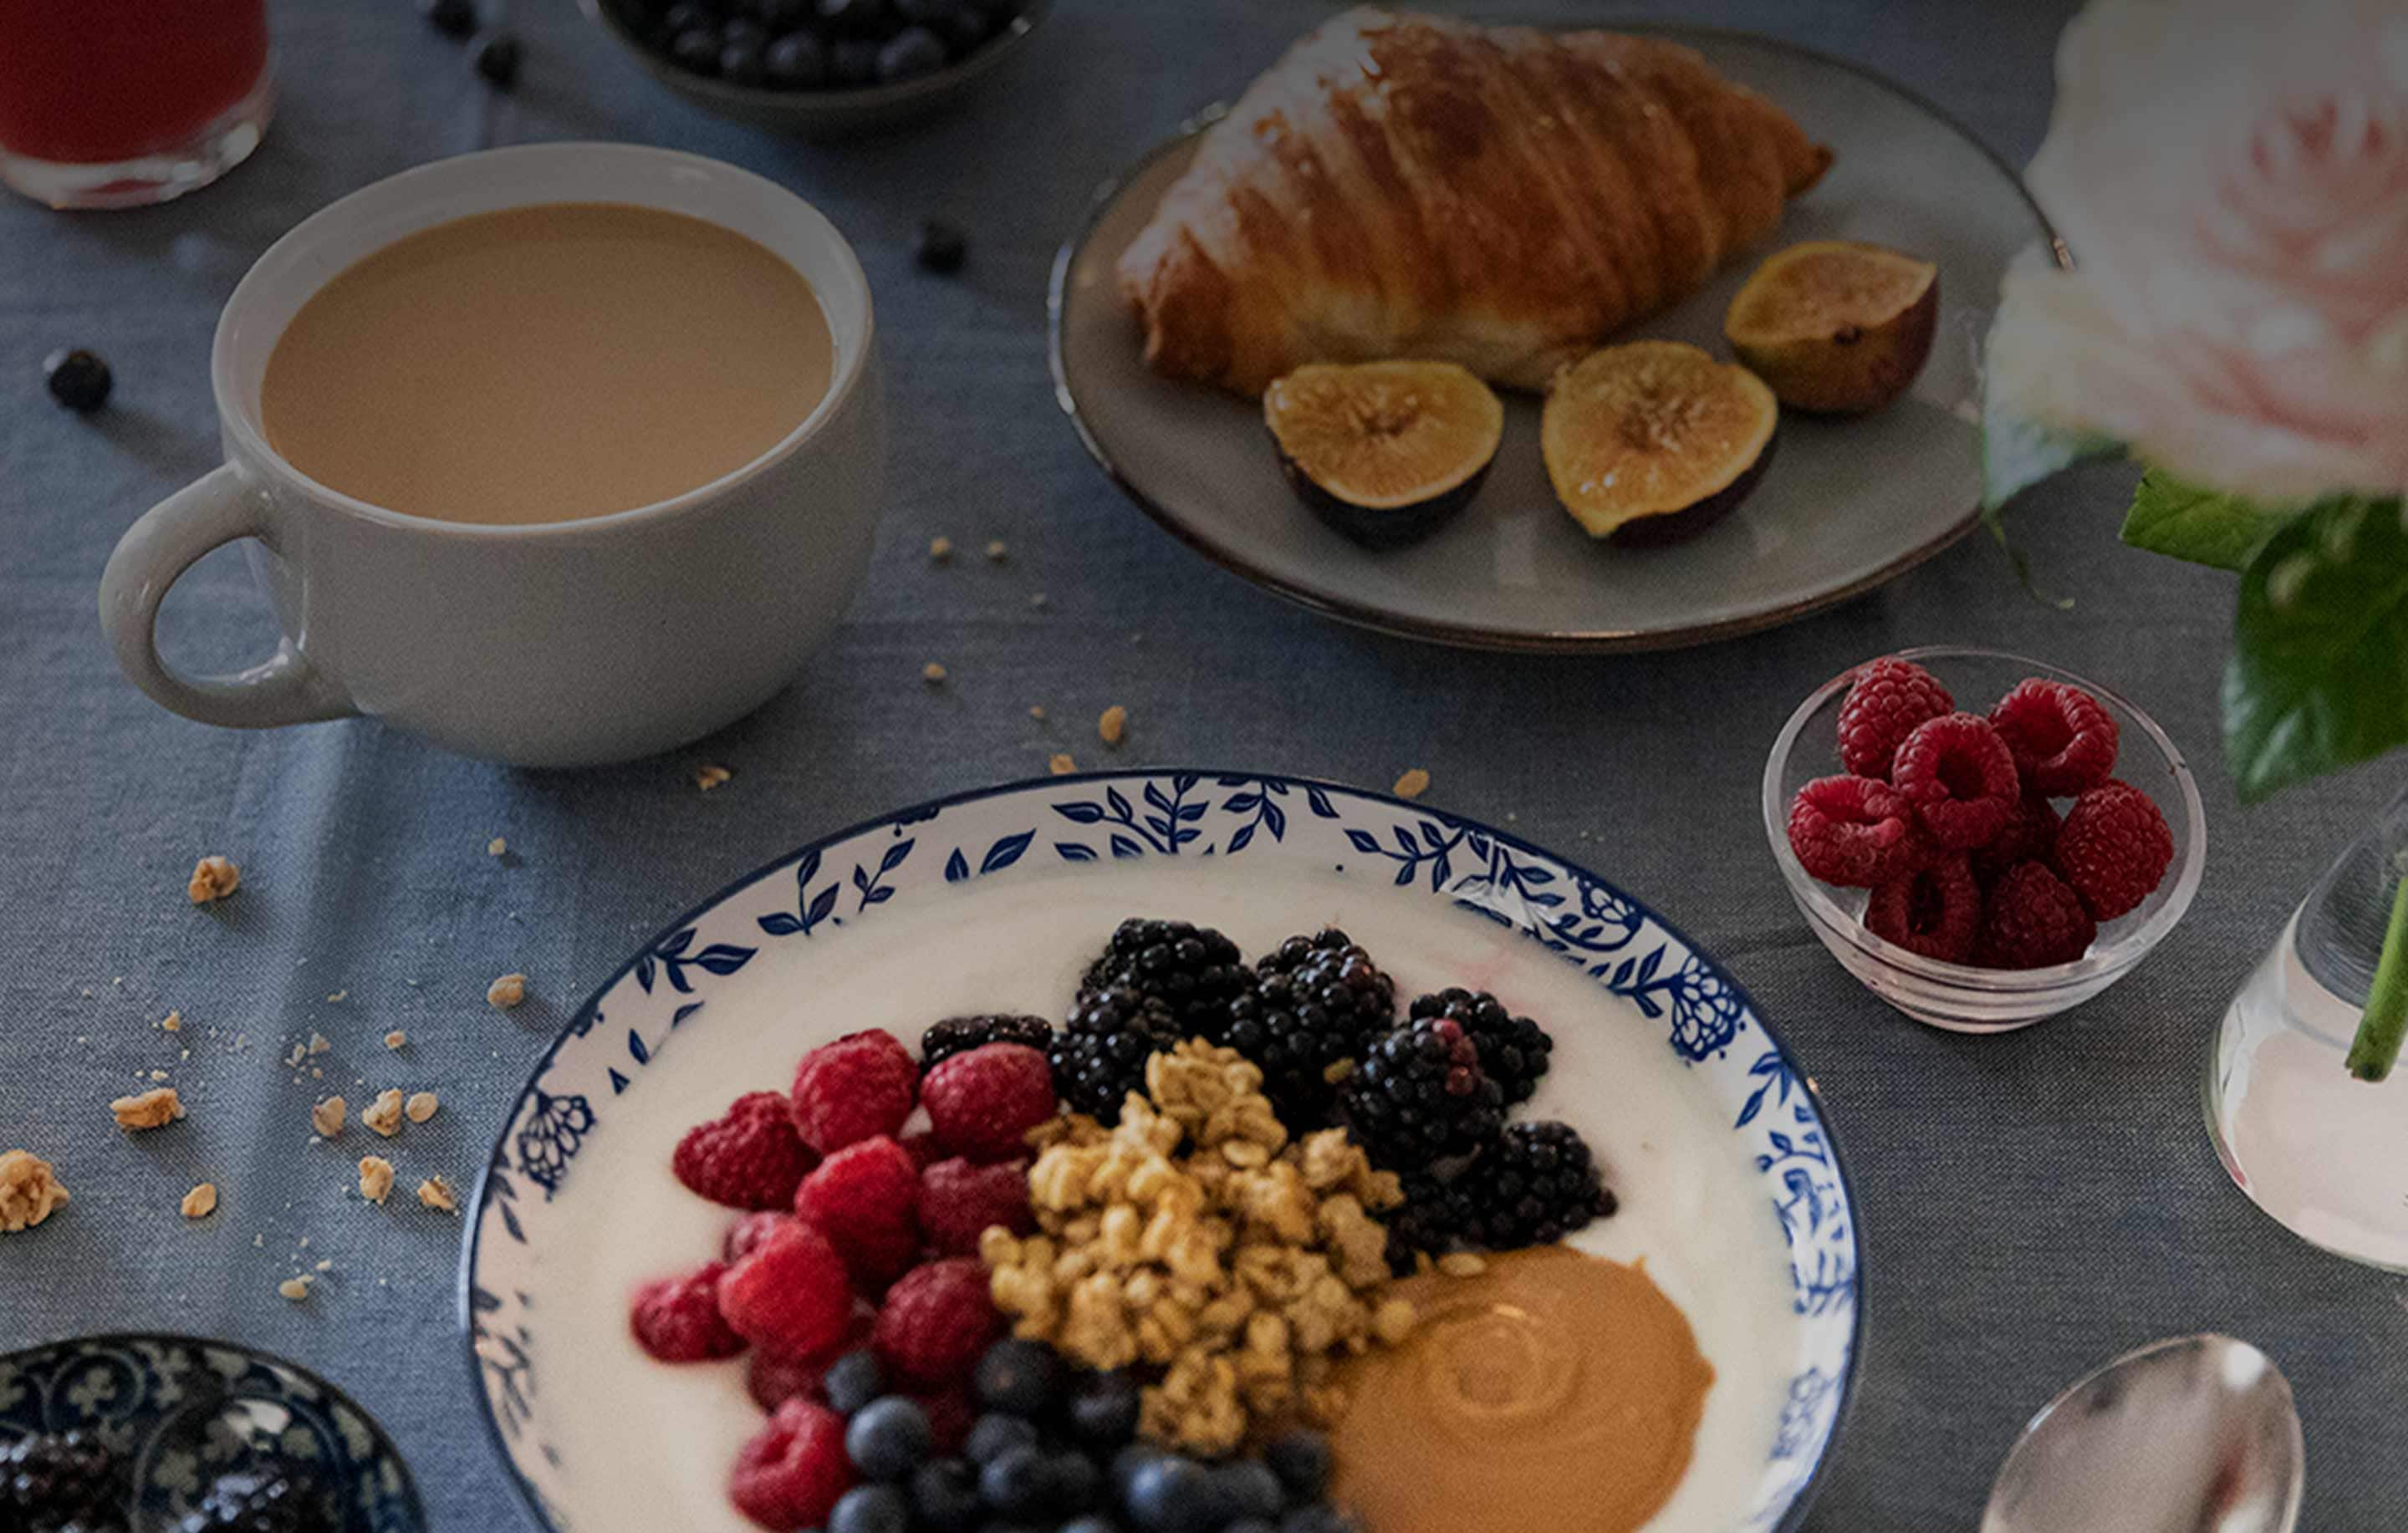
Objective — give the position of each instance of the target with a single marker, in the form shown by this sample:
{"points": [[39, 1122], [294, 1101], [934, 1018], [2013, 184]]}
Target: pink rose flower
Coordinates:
{"points": [[2232, 181]]}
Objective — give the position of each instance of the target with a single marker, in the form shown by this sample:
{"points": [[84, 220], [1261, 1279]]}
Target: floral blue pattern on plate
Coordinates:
{"points": [[180, 1411], [1023, 829]]}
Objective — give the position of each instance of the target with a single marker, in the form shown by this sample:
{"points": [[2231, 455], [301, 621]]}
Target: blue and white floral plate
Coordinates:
{"points": [[1731, 1188], [179, 1412]]}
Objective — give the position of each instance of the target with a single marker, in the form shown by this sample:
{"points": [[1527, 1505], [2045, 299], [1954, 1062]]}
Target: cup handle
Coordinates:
{"points": [[208, 513]]}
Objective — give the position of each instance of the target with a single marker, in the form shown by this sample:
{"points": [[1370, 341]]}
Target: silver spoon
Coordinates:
{"points": [[2193, 1435]]}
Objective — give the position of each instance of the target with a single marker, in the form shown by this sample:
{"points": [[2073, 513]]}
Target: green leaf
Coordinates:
{"points": [[2204, 526], [2018, 454], [2318, 678]]}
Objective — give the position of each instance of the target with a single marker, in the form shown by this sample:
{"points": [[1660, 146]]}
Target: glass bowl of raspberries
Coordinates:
{"points": [[1982, 840]]}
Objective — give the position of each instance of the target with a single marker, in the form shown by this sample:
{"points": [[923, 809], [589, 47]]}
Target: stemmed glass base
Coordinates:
{"points": [[2323, 1152]]}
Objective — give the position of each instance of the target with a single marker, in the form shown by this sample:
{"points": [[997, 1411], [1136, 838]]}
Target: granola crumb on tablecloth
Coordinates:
{"points": [[1036, 710], [933, 674], [421, 1105], [172, 1023], [995, 552], [496, 847], [435, 1193], [383, 1115], [1113, 724], [338, 997], [213, 878], [710, 775], [327, 1117], [200, 1202], [1413, 784], [1060, 764], [939, 549], [319, 1043], [1040, 600], [30, 1191], [296, 1287], [506, 991], [376, 1178], [395, 1038], [148, 1110]]}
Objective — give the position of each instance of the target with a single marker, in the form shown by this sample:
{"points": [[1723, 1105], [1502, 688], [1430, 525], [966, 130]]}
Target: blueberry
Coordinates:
{"points": [[797, 60], [941, 248], [1125, 1465], [870, 1509], [744, 29], [1018, 1377], [1320, 1517], [963, 30], [685, 16], [852, 1382], [1249, 1488], [77, 380], [1301, 1460], [698, 48], [855, 17], [1015, 1483], [496, 59], [1174, 1494], [1250, 1524], [909, 53], [1090, 1524], [992, 1436], [1104, 1405], [452, 18], [1077, 1483], [740, 62], [928, 12], [945, 1496], [889, 1438], [853, 62]]}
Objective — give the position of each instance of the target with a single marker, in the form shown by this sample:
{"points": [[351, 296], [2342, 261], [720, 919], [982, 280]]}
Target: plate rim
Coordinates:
{"points": [[472, 1237], [1474, 636], [411, 1499]]}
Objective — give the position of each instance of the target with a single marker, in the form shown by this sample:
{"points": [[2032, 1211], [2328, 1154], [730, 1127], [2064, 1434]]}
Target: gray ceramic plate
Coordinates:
{"points": [[1844, 506]]}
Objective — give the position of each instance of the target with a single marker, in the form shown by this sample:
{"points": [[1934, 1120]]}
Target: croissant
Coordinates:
{"points": [[1500, 197]]}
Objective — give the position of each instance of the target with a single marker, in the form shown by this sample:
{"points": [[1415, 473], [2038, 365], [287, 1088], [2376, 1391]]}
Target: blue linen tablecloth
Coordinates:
{"points": [[2032, 1204]]}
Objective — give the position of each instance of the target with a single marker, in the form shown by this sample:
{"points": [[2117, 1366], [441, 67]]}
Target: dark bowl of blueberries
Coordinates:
{"points": [[819, 68]]}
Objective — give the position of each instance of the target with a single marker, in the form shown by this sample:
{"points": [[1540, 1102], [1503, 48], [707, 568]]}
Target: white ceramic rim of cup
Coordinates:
{"points": [[400, 202]]}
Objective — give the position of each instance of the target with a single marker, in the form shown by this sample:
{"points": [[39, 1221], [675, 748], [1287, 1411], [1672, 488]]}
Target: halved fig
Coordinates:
{"points": [[1385, 452], [1835, 327], [1655, 441]]}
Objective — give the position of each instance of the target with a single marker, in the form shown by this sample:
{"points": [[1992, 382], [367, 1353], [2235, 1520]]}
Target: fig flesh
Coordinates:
{"points": [[1835, 326], [1655, 441], [1385, 452]]}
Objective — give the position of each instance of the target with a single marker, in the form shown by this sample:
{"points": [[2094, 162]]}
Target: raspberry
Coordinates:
{"points": [[1960, 778], [1885, 702], [677, 1319], [790, 1292], [749, 1231], [950, 1415], [749, 1159], [856, 1088], [2034, 922], [1935, 910], [2063, 739], [936, 1320], [2114, 848], [959, 1202], [865, 1198], [795, 1470], [1855, 832], [773, 1378], [2030, 834], [924, 1149], [983, 1104]]}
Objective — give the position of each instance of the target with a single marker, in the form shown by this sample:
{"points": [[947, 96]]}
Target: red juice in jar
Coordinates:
{"points": [[128, 101]]}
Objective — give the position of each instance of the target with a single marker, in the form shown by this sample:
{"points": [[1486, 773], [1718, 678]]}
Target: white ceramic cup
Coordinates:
{"points": [[548, 644]]}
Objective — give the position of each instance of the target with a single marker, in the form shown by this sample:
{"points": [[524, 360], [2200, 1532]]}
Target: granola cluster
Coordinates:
{"points": [[29, 1191], [1198, 1240]]}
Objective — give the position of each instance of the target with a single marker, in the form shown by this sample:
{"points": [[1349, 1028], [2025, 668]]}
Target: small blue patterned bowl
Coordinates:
{"points": [[179, 1412], [1013, 886]]}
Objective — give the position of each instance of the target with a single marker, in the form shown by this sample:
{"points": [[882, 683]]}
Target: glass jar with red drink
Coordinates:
{"points": [[122, 102]]}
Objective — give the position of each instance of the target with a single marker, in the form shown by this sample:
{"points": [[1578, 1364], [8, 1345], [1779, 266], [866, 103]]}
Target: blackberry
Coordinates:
{"points": [[273, 1496], [1155, 985], [1419, 1096], [1313, 1004], [60, 1478], [1537, 1184], [1435, 1218], [959, 1035], [1513, 1051]]}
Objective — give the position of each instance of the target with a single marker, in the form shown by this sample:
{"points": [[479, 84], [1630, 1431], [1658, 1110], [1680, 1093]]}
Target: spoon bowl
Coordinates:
{"points": [[2193, 1435]]}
